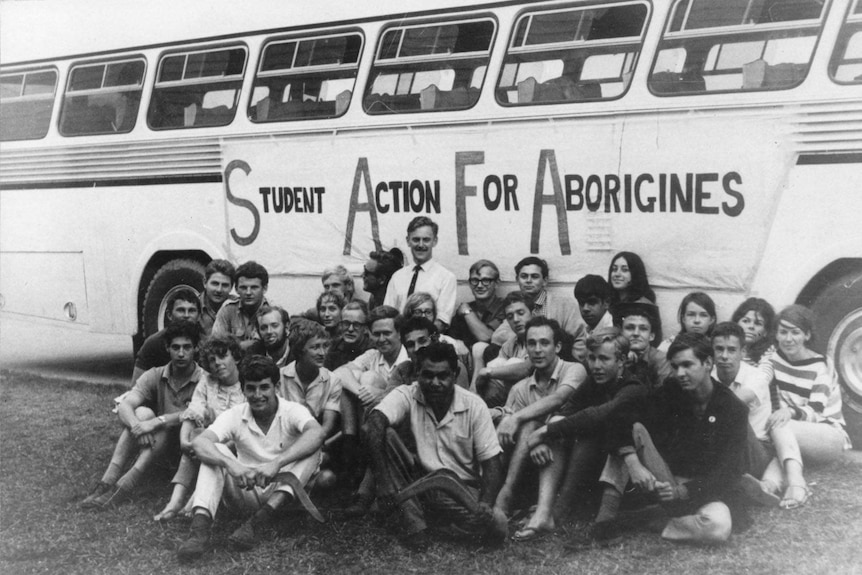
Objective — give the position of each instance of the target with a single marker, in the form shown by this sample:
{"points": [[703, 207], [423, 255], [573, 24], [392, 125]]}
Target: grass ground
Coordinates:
{"points": [[56, 438]]}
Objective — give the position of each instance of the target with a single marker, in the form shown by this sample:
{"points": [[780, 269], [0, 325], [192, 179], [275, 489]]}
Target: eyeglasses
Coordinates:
{"points": [[345, 325], [423, 312], [484, 281]]}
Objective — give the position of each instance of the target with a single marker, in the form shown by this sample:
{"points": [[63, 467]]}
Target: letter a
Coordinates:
{"points": [[548, 157], [367, 206]]}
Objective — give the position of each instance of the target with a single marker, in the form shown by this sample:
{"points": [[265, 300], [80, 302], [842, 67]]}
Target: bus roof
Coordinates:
{"points": [[34, 30]]}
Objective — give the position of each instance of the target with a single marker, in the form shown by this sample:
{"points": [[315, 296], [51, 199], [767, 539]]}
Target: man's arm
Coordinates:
{"points": [[351, 384], [479, 330], [545, 406], [204, 446], [510, 372], [593, 418], [493, 476], [330, 422]]}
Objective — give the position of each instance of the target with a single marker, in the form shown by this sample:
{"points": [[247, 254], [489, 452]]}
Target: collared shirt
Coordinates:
{"points": [[321, 394], [208, 314], [433, 279], [527, 391], [210, 399], [232, 320], [460, 442], [165, 393], [373, 361], [565, 311], [492, 310], [253, 447], [606, 322], [513, 349], [751, 385]]}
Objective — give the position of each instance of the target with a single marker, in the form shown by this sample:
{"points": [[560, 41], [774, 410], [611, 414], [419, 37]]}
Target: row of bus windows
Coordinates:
{"points": [[561, 55]]}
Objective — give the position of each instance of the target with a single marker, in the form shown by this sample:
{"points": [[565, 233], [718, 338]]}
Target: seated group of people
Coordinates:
{"points": [[458, 416]]}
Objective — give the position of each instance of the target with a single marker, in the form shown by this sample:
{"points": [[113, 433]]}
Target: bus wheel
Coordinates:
{"points": [[174, 275], [838, 324]]}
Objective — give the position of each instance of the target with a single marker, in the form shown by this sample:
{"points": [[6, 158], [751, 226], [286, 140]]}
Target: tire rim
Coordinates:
{"points": [[845, 349], [163, 305]]}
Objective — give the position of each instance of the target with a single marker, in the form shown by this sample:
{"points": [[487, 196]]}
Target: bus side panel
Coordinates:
{"points": [[571, 191]]}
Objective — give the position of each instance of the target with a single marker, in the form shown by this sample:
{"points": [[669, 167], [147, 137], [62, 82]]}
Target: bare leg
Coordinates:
{"points": [[550, 477], [517, 463]]}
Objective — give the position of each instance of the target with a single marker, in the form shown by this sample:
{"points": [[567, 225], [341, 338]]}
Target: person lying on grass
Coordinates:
{"points": [[216, 392], [273, 437], [151, 416], [454, 435]]}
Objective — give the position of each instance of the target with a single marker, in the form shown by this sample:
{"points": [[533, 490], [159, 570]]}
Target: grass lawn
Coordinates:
{"points": [[57, 438]]}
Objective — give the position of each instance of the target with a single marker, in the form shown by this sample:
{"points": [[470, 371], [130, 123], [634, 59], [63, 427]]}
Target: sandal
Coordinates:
{"points": [[530, 534], [796, 496]]}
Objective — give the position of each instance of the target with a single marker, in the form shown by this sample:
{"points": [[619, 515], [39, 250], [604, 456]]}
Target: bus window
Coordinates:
{"points": [[572, 55], [26, 102], [305, 78], [430, 67], [195, 89], [102, 98], [846, 64], [736, 45]]}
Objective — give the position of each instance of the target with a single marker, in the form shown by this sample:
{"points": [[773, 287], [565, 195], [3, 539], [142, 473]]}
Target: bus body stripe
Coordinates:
{"points": [[838, 158], [104, 183]]}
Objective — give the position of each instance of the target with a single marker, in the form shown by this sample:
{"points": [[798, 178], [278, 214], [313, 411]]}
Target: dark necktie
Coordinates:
{"points": [[416, 271]]}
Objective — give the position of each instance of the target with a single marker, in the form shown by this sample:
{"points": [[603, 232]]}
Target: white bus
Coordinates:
{"points": [[720, 139]]}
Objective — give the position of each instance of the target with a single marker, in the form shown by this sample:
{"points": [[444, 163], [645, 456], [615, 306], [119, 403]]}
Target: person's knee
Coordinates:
{"points": [[373, 380], [716, 521], [144, 413], [639, 434]]}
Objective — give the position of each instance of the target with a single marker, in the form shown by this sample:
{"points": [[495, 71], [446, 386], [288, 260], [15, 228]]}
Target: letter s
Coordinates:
{"points": [[733, 210], [241, 202]]}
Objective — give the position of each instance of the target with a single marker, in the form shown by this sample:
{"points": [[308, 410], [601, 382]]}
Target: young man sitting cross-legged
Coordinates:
{"points": [[273, 437]]}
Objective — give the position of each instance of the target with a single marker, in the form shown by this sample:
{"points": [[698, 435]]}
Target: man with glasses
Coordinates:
{"points": [[476, 321], [353, 338]]}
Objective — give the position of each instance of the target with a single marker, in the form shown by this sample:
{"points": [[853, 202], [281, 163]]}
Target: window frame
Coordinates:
{"points": [[571, 45], [33, 97], [377, 64], [67, 92], [187, 51], [305, 70], [852, 19]]}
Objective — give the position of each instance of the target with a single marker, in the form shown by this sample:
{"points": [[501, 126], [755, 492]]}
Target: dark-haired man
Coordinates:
{"points": [[272, 436], [418, 332], [686, 446], [453, 431], [639, 321], [273, 326], [534, 399], [150, 414], [218, 281], [236, 318], [183, 305], [593, 294], [425, 275]]}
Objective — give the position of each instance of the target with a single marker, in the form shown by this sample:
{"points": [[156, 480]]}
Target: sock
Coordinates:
{"points": [[610, 506], [112, 474]]}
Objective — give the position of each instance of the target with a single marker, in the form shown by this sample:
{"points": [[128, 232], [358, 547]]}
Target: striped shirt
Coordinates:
{"points": [[808, 388]]}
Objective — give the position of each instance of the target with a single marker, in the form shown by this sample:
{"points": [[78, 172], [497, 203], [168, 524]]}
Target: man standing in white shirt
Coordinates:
{"points": [[425, 274]]}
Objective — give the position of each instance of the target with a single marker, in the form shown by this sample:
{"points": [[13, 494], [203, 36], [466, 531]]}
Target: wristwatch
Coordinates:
{"points": [[468, 312], [163, 419]]}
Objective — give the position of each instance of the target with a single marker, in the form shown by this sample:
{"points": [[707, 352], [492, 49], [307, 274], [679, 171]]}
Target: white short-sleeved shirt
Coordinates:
{"points": [[460, 442], [321, 394], [527, 391], [373, 361], [237, 424], [433, 279], [751, 385]]}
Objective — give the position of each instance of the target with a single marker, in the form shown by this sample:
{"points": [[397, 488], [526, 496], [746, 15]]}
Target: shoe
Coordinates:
{"points": [[199, 537], [243, 539], [358, 507], [99, 489], [418, 542], [597, 535], [753, 490], [795, 497], [530, 534], [110, 498]]}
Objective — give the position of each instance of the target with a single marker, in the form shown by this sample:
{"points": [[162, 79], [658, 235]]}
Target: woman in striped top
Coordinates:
{"points": [[806, 399]]}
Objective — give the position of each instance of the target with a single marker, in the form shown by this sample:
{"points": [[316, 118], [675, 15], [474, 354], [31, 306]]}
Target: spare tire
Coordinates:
{"points": [[838, 334], [174, 275]]}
